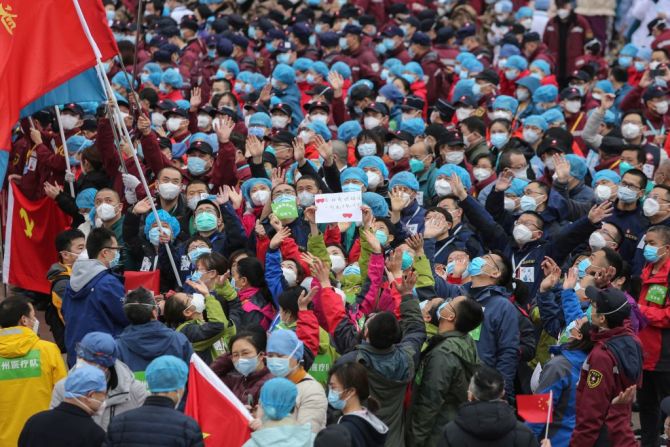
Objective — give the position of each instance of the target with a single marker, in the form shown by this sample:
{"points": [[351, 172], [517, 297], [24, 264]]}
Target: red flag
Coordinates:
{"points": [[223, 419], [29, 240], [535, 408], [149, 280], [42, 45]]}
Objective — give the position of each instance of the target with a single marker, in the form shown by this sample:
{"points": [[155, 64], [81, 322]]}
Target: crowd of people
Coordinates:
{"points": [[512, 163]]}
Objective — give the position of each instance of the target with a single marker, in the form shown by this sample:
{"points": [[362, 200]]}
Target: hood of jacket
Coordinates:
{"points": [[285, 435], [83, 271], [627, 351], [16, 341], [148, 341], [393, 364], [461, 345], [124, 379], [575, 357], [369, 426], [486, 420]]}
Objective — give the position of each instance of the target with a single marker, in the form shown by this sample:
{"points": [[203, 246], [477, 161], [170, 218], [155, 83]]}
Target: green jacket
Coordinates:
{"points": [[209, 338], [441, 385], [427, 184]]}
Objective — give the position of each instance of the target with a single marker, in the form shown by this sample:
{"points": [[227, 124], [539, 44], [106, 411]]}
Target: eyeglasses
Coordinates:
{"points": [[631, 186], [492, 262]]}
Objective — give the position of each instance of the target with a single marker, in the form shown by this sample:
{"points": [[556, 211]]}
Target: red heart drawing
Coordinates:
{"points": [[320, 200], [347, 215]]}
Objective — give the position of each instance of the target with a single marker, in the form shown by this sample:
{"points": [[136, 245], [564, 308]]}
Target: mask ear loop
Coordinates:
{"points": [[615, 310]]}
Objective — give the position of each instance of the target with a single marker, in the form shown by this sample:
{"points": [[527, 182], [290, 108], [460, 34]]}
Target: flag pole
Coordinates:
{"points": [[115, 105], [549, 411], [138, 27], [66, 154]]}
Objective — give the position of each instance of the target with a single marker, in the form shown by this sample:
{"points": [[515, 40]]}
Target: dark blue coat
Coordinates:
{"points": [[633, 224], [139, 344], [412, 221], [154, 423], [460, 238]]}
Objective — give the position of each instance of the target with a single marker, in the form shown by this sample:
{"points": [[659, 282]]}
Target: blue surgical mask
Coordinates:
{"points": [[343, 43], [528, 203], [251, 32], [380, 48], [196, 276], [351, 187], [407, 260], [270, 47], [318, 28], [310, 78], [246, 366], [211, 53], [476, 89], [205, 221], [334, 399], [74, 161], [154, 235], [278, 366], [476, 265], [625, 61], [283, 58], [451, 266], [626, 195], [624, 167], [511, 74], [409, 78], [389, 44], [582, 266], [196, 165], [256, 131], [651, 253], [312, 39], [415, 165], [499, 139], [352, 270], [194, 254], [144, 78], [115, 261], [381, 237]]}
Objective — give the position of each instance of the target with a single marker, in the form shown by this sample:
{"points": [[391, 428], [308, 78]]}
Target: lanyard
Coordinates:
{"points": [[413, 215], [448, 242], [516, 266], [653, 129], [577, 121]]}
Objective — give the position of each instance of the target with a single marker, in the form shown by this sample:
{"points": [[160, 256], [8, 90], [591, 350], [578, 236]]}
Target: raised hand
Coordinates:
{"points": [[36, 136], [561, 167], [460, 266], [305, 298], [52, 191], [434, 227], [276, 223], [570, 280], [601, 212], [196, 99], [394, 263], [408, 282], [225, 129], [266, 93], [144, 125], [198, 286], [372, 240], [336, 81], [320, 272], [260, 229], [235, 198], [607, 101], [552, 273], [254, 148], [279, 237], [143, 206], [368, 217], [310, 214], [457, 187], [325, 149], [504, 180], [223, 195], [278, 176], [416, 243], [299, 151], [397, 200]]}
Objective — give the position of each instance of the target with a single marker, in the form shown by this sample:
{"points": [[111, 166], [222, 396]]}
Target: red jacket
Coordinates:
{"points": [[400, 53], [578, 33], [653, 303], [662, 42], [435, 71], [508, 87], [364, 65], [247, 389], [599, 384]]}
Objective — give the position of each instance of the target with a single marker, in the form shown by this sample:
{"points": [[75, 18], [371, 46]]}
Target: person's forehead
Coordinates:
{"points": [[659, 191], [305, 182], [630, 178], [206, 207], [283, 189], [170, 173], [105, 195], [632, 118]]}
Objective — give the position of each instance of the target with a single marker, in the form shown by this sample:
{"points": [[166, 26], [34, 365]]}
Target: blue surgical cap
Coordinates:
{"points": [[285, 342], [604, 85], [413, 126], [503, 6], [99, 348], [414, 67], [523, 13], [644, 54], [506, 103], [542, 65], [284, 74], [609, 118], [606, 174], [463, 88], [463, 56], [391, 92], [545, 93], [392, 62], [517, 187], [320, 68], [302, 64], [342, 68], [77, 143], [152, 67], [451, 169], [578, 167], [628, 50], [518, 62], [260, 119], [278, 396], [472, 66], [376, 203], [320, 128], [248, 184], [553, 115], [86, 198], [165, 217], [183, 104], [508, 50], [354, 174], [530, 82], [348, 130], [84, 380], [406, 179], [172, 77], [121, 79], [165, 374], [536, 121], [258, 81], [372, 161], [230, 66]]}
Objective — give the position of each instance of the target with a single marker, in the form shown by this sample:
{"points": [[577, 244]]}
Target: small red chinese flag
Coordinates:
{"points": [[149, 280], [534, 408]]}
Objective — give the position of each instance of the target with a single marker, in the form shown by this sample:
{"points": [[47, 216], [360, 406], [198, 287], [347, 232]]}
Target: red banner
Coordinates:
{"points": [[149, 280], [223, 419], [29, 240], [42, 45]]}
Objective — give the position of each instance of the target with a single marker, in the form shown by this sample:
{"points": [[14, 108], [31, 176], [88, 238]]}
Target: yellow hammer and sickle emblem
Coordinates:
{"points": [[30, 224]]}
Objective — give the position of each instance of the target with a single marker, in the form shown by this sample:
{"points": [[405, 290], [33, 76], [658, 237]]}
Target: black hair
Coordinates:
{"points": [[11, 311], [504, 121], [92, 156], [665, 188], [619, 74], [251, 268], [353, 375], [383, 330], [405, 84], [445, 213], [370, 134], [172, 168], [475, 124], [196, 238], [637, 112], [240, 252], [256, 337], [641, 155], [614, 259], [487, 384], [543, 186], [469, 315], [506, 270], [537, 217], [196, 182], [585, 344], [506, 156], [309, 177], [390, 226], [663, 231], [640, 175], [150, 95], [288, 300], [139, 306], [64, 239], [617, 319], [98, 239], [173, 311], [215, 261]]}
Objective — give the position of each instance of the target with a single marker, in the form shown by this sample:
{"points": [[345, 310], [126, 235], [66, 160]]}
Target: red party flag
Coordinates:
{"points": [[223, 419], [535, 408], [29, 240], [42, 45]]}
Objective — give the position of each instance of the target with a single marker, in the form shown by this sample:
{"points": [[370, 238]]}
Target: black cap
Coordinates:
{"points": [[400, 135], [467, 100], [239, 40], [398, 8], [283, 136], [229, 112], [569, 93], [445, 109], [654, 91], [466, 30], [164, 142], [322, 90], [444, 34], [550, 145], [658, 23], [74, 108], [580, 75], [90, 124], [352, 29], [489, 75], [329, 39], [608, 301], [367, 20], [208, 109], [451, 138], [377, 107], [531, 37], [282, 107], [176, 111], [422, 39], [201, 146], [412, 103], [323, 105], [274, 34], [189, 24], [665, 406]]}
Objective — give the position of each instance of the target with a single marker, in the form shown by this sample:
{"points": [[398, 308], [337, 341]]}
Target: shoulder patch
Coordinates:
{"points": [[593, 378]]}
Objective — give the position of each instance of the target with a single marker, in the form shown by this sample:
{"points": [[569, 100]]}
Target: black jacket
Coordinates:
{"points": [[66, 425], [154, 423], [487, 424]]}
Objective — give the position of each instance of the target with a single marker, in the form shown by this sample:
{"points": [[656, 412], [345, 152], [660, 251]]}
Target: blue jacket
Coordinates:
{"points": [[461, 237], [154, 423], [498, 339], [139, 344], [633, 224], [526, 260], [291, 96], [93, 301], [412, 221], [560, 375]]}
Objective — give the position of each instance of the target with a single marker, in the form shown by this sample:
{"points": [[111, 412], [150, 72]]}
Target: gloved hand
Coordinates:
{"points": [[69, 177], [130, 182]]}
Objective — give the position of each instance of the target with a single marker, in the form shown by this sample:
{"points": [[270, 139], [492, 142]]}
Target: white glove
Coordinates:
{"points": [[69, 177], [131, 197], [130, 181]]}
